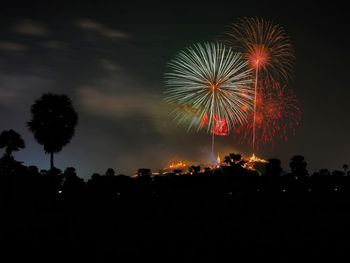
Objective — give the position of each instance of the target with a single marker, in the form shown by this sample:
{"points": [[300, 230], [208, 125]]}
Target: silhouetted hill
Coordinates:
{"points": [[216, 215]]}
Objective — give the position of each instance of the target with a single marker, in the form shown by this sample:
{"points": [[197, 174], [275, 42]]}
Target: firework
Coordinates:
{"points": [[220, 127], [277, 115], [213, 84], [209, 81], [264, 45], [267, 49]]}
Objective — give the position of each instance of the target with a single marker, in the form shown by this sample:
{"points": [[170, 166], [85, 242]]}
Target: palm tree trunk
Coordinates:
{"points": [[51, 161], [8, 151]]}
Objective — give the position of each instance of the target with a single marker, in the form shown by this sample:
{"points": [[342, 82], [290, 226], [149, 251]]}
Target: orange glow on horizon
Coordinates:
{"points": [[177, 165], [251, 161]]}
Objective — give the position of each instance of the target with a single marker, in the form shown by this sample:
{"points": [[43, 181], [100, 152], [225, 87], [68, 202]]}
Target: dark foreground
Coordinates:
{"points": [[220, 217]]}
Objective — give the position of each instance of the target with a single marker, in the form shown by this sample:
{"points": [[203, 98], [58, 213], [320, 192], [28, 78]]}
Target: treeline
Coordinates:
{"points": [[29, 184], [227, 213]]}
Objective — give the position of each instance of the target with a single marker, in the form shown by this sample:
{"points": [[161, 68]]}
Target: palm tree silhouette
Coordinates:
{"points": [[12, 141], [53, 122]]}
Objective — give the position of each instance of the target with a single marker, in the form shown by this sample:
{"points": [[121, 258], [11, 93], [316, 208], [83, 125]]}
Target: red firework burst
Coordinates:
{"points": [[220, 125], [264, 44], [277, 115]]}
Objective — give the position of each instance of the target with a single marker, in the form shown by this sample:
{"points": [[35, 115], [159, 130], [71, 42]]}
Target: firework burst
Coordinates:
{"points": [[277, 115], [265, 46], [209, 81]]}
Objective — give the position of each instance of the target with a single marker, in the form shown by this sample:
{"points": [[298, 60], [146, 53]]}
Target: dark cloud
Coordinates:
{"points": [[19, 90], [92, 25], [12, 46], [109, 65], [55, 44], [31, 28]]}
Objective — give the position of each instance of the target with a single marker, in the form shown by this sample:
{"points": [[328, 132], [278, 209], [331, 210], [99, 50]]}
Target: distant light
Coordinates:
{"points": [[118, 193], [283, 190], [177, 165], [229, 193], [309, 189], [60, 191], [335, 188], [258, 190]]}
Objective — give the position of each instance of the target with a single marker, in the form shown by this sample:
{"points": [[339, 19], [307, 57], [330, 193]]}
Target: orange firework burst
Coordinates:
{"points": [[277, 115], [265, 45]]}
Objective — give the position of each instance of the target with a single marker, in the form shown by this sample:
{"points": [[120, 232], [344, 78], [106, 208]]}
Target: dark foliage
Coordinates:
{"points": [[53, 122], [11, 141], [228, 213]]}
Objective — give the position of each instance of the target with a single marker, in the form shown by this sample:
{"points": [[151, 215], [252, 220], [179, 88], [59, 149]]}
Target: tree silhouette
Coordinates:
{"points": [[235, 157], [345, 167], [144, 172], [12, 141], [324, 172], [70, 172], [110, 172], [227, 160], [194, 169], [298, 165], [273, 167], [53, 122]]}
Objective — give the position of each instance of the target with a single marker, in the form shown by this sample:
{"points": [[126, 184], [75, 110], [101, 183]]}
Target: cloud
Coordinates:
{"points": [[108, 65], [31, 27], [54, 44], [115, 33], [12, 46], [103, 103], [89, 24], [17, 93], [92, 25]]}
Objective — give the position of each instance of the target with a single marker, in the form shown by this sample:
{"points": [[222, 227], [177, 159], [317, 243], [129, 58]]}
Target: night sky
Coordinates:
{"points": [[110, 58]]}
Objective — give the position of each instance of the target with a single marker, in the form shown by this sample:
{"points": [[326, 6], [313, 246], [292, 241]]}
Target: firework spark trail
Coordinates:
{"points": [[210, 80], [255, 96], [267, 49]]}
